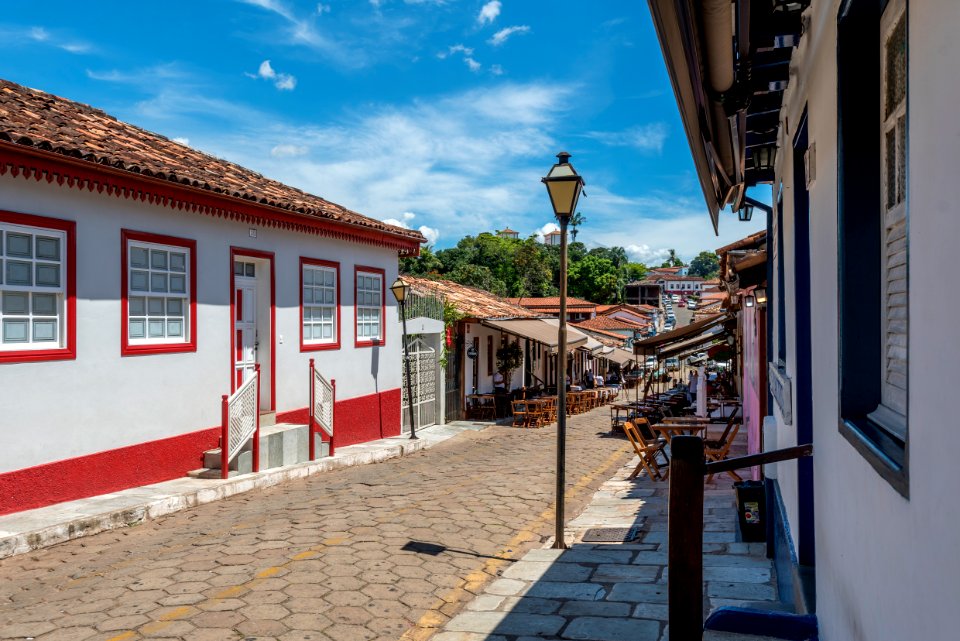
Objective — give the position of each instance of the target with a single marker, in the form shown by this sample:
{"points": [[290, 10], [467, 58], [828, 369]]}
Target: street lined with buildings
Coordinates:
{"points": [[371, 552]]}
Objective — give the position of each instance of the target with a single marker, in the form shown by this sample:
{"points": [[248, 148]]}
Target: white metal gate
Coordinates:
{"points": [[423, 385]]}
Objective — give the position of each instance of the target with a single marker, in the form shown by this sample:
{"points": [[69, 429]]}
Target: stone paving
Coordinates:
{"points": [[384, 551], [615, 592]]}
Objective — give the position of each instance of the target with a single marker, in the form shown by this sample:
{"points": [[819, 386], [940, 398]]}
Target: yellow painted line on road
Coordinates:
{"points": [[467, 588]]}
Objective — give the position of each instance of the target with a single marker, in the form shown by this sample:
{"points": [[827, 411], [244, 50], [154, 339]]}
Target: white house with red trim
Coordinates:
{"points": [[142, 280]]}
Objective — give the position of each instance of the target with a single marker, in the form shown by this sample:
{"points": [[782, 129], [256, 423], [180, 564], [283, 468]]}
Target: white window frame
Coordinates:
{"points": [[32, 291], [368, 314], [149, 295], [892, 410], [330, 302]]}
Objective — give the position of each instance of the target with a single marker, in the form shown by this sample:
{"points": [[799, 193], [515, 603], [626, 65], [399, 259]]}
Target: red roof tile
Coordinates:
{"points": [[49, 123], [532, 302], [470, 301], [609, 323]]}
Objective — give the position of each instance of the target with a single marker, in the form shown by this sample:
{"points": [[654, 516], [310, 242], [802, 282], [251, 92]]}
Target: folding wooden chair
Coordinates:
{"points": [[521, 414], [718, 449], [647, 453]]}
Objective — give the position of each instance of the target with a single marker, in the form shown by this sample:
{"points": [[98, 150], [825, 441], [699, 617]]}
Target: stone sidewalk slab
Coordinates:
{"points": [[613, 591], [42, 527]]}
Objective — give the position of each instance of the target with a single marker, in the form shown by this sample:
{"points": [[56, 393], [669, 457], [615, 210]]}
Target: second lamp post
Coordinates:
{"points": [[564, 185], [400, 290]]}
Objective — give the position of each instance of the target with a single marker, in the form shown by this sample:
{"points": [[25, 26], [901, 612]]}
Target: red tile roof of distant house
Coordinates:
{"points": [[602, 335], [552, 303], [666, 270], [89, 142], [470, 301], [651, 279], [610, 323], [641, 310]]}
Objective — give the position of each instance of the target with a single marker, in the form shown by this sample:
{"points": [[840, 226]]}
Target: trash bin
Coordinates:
{"points": [[752, 510]]}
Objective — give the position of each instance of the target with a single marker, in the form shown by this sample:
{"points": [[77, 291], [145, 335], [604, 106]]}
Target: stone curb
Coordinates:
{"points": [[76, 519]]}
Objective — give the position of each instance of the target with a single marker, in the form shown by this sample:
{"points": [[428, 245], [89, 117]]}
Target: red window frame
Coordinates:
{"points": [[314, 347], [69, 350], [126, 349], [357, 341]]}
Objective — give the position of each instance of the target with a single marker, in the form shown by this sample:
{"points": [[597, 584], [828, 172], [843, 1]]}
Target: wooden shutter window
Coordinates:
{"points": [[894, 219]]}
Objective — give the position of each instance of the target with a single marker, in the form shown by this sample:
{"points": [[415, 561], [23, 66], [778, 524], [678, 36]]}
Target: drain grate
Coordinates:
{"points": [[610, 535]]}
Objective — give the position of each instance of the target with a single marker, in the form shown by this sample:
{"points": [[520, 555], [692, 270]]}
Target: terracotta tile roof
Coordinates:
{"points": [[652, 279], [552, 302], [665, 270], [470, 301], [640, 310], [49, 123], [609, 323], [602, 334]]}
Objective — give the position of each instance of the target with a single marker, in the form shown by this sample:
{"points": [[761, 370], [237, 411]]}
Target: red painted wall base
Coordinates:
{"points": [[356, 420], [105, 472]]}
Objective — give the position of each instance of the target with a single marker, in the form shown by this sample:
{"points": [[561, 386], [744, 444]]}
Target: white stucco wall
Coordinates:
{"points": [[886, 566], [101, 401]]}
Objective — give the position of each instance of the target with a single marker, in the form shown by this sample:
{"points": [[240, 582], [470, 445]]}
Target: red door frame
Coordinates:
{"points": [[236, 252]]}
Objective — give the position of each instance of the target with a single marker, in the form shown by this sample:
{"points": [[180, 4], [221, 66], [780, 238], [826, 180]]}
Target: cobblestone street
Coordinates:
{"points": [[384, 551]]}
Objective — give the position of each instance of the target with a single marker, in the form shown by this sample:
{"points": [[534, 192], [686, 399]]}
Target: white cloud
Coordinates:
{"points": [[645, 254], [501, 36], [489, 12], [546, 229], [266, 71], [43, 36], [467, 53], [496, 70], [288, 151], [643, 137], [282, 81], [322, 8], [430, 233], [183, 141]]}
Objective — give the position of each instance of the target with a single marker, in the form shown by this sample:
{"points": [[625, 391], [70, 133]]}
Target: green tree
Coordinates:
{"points": [[575, 221], [426, 263], [672, 260], [705, 265], [635, 271], [534, 275], [478, 276], [595, 279]]}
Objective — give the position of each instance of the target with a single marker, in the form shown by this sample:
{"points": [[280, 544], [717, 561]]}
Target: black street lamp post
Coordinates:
{"points": [[564, 185], [400, 290]]}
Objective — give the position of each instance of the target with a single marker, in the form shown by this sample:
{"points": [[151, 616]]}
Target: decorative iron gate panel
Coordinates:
{"points": [[423, 386]]}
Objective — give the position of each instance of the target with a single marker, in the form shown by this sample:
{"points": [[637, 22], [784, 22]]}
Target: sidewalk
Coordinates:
{"points": [[42, 527], [615, 591]]}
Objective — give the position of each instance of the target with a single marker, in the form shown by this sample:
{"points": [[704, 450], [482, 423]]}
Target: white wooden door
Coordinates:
{"points": [[245, 330]]}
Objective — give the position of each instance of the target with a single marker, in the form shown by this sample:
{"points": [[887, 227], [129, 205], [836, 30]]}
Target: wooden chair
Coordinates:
{"points": [[521, 415], [718, 449], [647, 453]]}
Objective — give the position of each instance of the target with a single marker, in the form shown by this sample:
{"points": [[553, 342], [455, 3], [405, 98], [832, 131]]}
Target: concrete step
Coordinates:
{"points": [[280, 445], [267, 418]]}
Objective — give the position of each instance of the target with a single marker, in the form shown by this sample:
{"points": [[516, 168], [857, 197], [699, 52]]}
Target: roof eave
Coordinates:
{"points": [[679, 52], [54, 166]]}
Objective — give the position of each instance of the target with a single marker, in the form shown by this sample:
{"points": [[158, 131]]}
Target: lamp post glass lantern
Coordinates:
{"points": [[745, 213], [564, 185], [401, 289], [748, 300], [761, 294]]}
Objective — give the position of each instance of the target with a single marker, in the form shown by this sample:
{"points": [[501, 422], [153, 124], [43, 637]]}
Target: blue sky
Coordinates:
{"points": [[438, 114]]}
